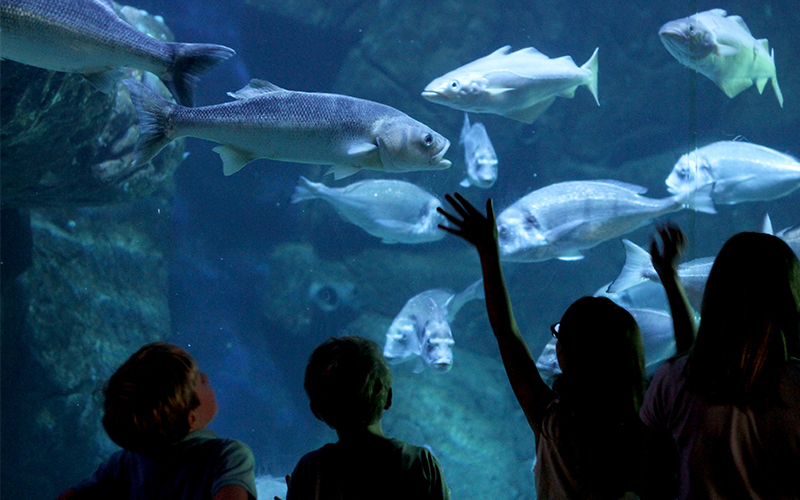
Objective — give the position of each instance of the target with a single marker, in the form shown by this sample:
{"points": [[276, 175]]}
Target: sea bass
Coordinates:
{"points": [[395, 211], [658, 338], [520, 85], [721, 47], [89, 37], [422, 328], [739, 171], [639, 268], [479, 155], [266, 121], [560, 220]]}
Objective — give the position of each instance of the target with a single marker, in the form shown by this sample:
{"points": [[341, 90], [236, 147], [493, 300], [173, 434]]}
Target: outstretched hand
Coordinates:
{"points": [[665, 257], [474, 227]]}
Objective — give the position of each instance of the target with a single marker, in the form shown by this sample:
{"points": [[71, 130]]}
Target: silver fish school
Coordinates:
{"points": [[721, 48], [89, 37], [266, 121]]}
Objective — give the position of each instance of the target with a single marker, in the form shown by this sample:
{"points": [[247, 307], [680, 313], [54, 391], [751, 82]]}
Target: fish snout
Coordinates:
{"points": [[441, 366]]}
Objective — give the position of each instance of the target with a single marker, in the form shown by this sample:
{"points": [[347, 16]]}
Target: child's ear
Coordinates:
{"points": [[192, 419], [388, 400]]}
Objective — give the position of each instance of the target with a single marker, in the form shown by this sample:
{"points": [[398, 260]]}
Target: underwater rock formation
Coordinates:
{"points": [[65, 143]]}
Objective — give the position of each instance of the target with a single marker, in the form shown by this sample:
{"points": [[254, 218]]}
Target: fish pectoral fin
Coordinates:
{"points": [[733, 87], [575, 255], [531, 113], [360, 148], [233, 159], [498, 91], [256, 88], [559, 232], [726, 50], [723, 185], [342, 171], [465, 183], [419, 367], [104, 81]]}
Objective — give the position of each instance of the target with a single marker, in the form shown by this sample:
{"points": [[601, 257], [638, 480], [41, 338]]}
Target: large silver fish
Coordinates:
{"points": [[658, 338], [266, 121], [422, 328], [560, 220], [639, 268], [739, 171], [520, 85], [88, 37], [395, 211], [721, 47], [479, 155]]}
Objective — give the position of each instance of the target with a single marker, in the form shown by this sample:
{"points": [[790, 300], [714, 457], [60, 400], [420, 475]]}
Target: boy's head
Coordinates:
{"points": [[152, 400], [348, 382]]}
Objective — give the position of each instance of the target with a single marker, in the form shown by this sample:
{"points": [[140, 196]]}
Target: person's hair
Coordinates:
{"points": [[148, 399], [602, 389], [750, 322], [348, 382]]}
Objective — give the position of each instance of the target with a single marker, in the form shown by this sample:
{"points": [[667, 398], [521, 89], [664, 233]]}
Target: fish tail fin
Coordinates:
{"points": [[775, 86], [189, 61], [698, 199], [155, 114], [592, 67], [305, 190], [464, 129], [638, 264]]}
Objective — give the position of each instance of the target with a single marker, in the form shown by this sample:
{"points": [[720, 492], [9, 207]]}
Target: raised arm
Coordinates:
{"points": [[665, 260], [532, 393]]}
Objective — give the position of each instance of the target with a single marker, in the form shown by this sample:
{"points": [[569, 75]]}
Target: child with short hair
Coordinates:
{"points": [[157, 407], [349, 385]]}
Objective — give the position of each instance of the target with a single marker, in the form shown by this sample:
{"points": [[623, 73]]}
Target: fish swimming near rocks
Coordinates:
{"points": [[479, 155], [520, 85], [422, 328], [722, 48], [739, 171], [266, 121], [560, 220], [90, 38], [638, 268], [393, 210]]}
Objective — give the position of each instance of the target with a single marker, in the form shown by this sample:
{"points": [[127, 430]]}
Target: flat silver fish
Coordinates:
{"points": [[639, 268], [739, 171], [422, 328], [89, 37], [520, 85], [560, 220], [479, 155], [722, 48], [266, 121], [395, 211]]}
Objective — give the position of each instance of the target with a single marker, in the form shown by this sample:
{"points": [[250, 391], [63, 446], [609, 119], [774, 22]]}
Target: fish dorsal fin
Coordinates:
{"points": [[633, 188], [500, 52], [738, 20], [530, 51], [766, 225], [256, 88], [719, 12]]}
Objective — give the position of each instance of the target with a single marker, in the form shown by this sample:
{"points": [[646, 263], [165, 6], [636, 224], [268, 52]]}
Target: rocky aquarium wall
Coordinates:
{"points": [[100, 256]]}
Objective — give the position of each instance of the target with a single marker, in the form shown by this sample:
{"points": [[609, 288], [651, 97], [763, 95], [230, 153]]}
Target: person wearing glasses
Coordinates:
{"points": [[587, 429]]}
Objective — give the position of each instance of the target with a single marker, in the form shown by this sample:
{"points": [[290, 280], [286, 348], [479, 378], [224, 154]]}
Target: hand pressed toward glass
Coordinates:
{"points": [[673, 241], [475, 228]]}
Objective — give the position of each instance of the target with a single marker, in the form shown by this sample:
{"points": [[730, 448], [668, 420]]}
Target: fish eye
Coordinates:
{"points": [[502, 232], [531, 222], [691, 28], [428, 139], [454, 85]]}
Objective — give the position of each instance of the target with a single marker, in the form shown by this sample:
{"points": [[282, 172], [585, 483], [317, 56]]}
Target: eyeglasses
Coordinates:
{"points": [[554, 329]]}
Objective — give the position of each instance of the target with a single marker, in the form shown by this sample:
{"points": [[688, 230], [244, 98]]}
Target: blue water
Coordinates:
{"points": [[225, 229]]}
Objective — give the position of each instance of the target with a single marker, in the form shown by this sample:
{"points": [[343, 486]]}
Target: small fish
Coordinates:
{"points": [[560, 220], [479, 155], [658, 338], [520, 85], [266, 121], [639, 268], [721, 47], [89, 37], [422, 328], [739, 171], [395, 211]]}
